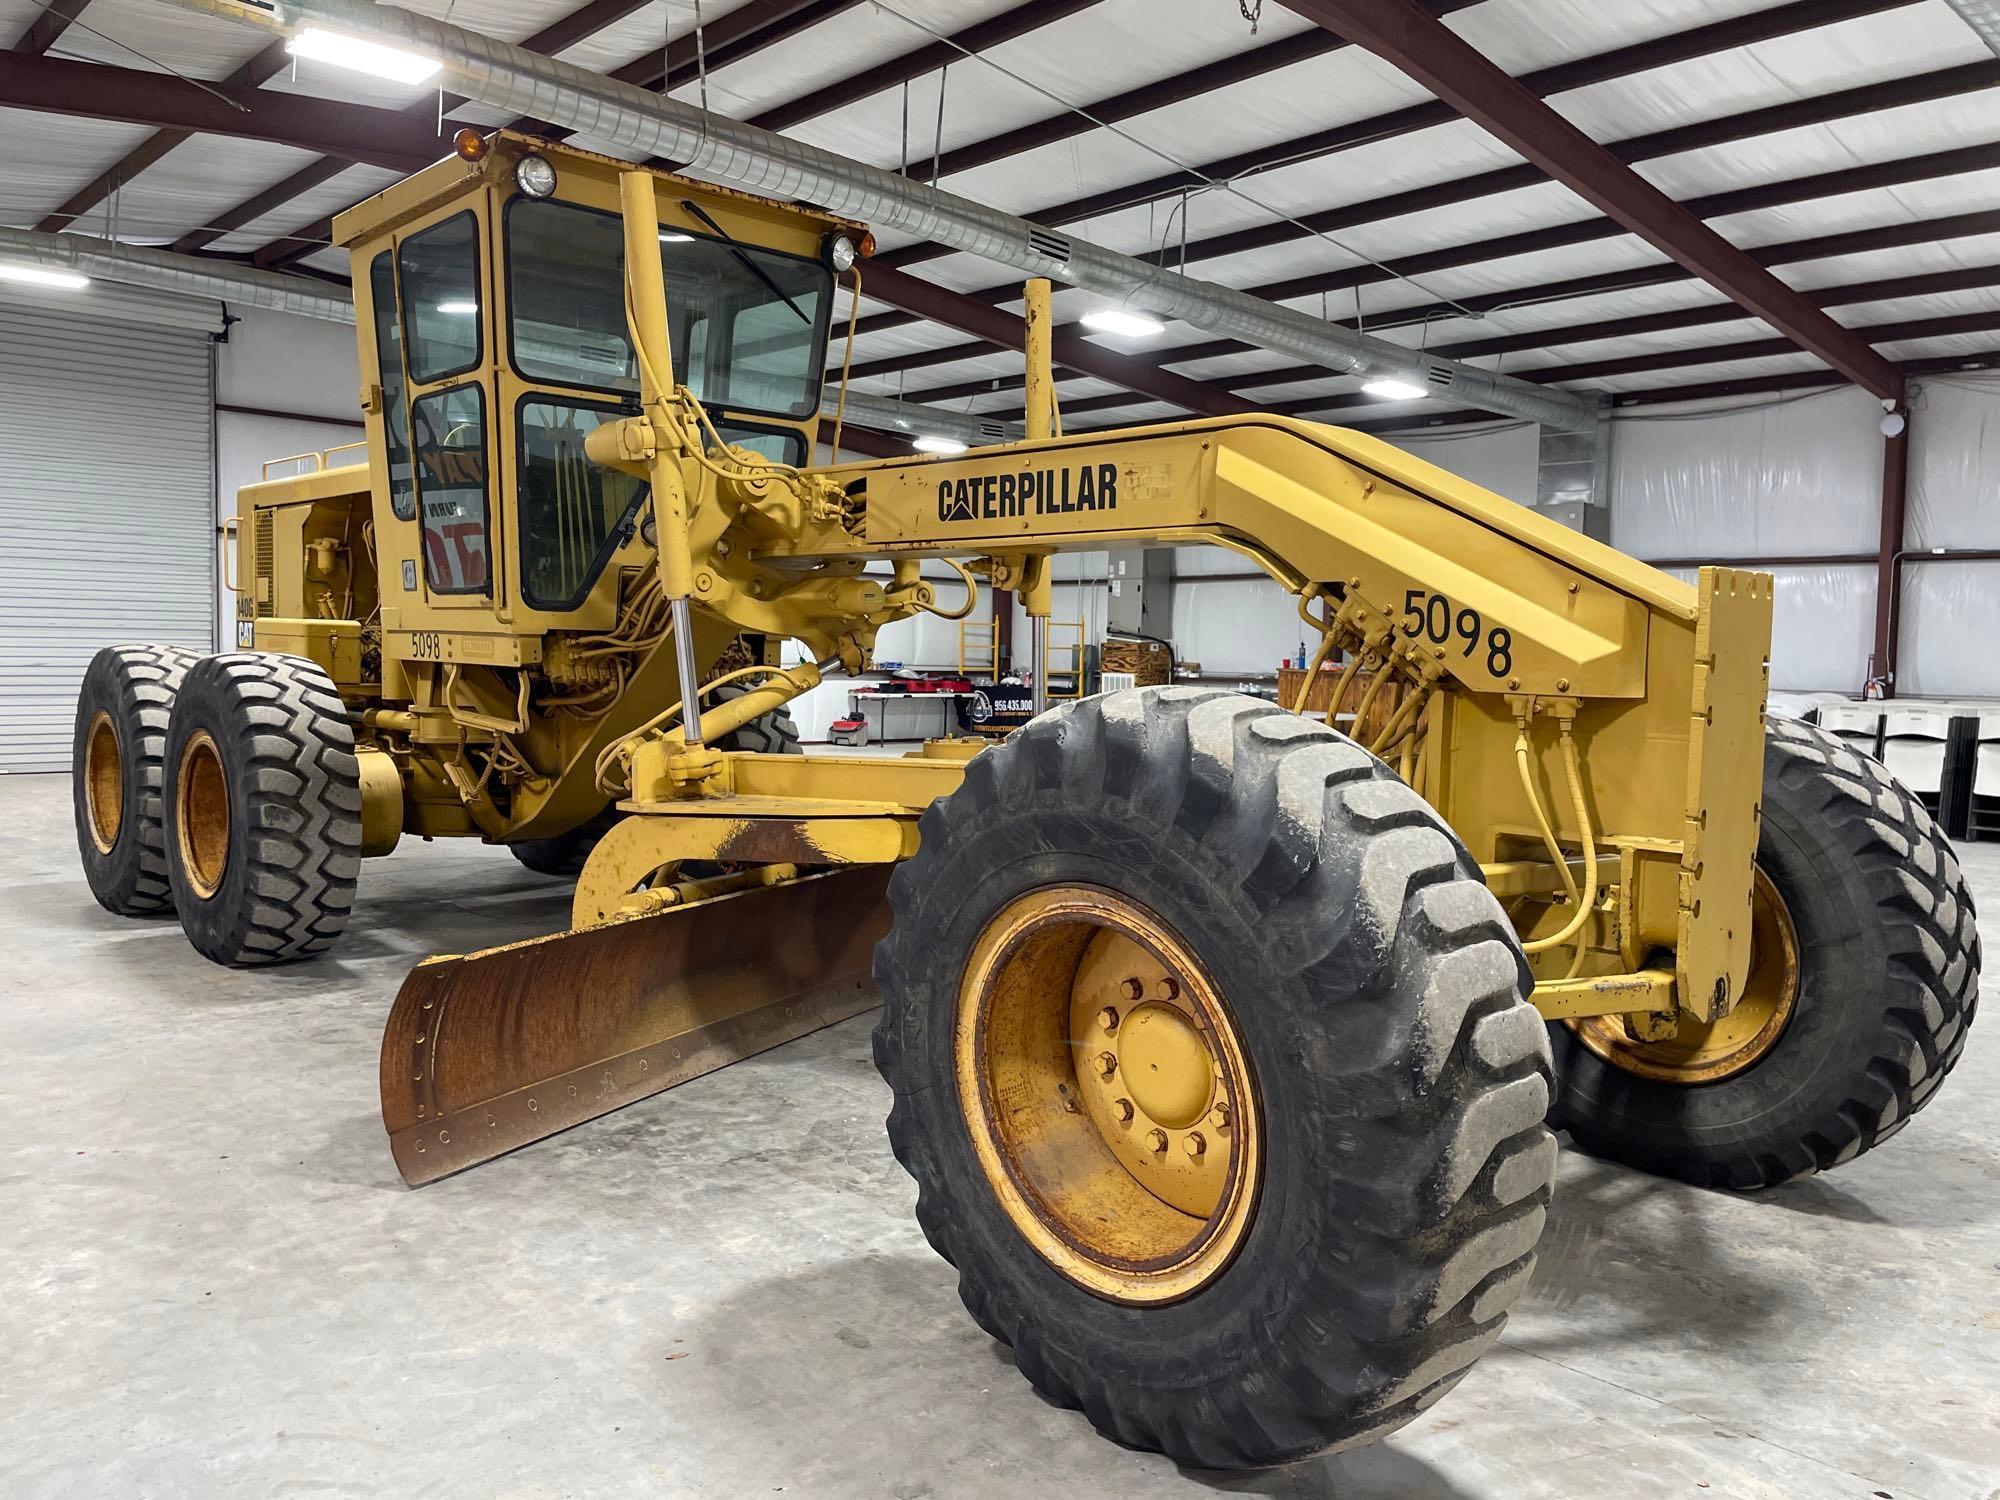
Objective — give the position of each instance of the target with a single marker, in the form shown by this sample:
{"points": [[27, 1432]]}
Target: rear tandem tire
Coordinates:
{"points": [[1888, 980], [1398, 1076], [121, 738], [263, 809]]}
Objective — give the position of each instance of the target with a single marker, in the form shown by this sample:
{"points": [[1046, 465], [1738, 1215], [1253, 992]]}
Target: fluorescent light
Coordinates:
{"points": [[391, 63], [670, 237], [69, 281], [458, 309], [1393, 390], [1124, 323], [949, 447]]}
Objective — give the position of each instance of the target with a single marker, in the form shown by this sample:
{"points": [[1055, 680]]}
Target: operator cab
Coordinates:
{"points": [[489, 294]]}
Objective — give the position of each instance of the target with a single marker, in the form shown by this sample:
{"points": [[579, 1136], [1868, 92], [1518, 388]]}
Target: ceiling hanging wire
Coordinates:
{"points": [[1209, 184], [629, 119], [937, 137]]}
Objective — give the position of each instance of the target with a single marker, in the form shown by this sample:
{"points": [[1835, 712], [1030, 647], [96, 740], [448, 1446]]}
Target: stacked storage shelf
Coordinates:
{"points": [[1913, 746], [1985, 823], [1860, 724]]}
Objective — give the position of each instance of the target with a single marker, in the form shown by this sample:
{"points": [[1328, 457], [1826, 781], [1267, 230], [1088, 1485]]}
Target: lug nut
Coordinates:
{"points": [[1107, 1064], [1134, 989], [1168, 988], [1108, 1018], [1156, 1140], [1124, 1109], [1195, 1144], [1219, 1117]]}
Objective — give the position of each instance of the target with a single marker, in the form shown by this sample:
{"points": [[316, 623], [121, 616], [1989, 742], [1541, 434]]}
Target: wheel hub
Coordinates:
{"points": [[1166, 1064], [1107, 1094], [103, 782], [1709, 1051], [201, 814]]}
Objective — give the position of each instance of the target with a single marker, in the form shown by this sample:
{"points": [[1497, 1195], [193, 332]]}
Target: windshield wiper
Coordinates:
{"points": [[747, 263]]}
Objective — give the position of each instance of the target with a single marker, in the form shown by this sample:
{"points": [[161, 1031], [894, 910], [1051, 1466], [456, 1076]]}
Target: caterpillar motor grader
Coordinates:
{"points": [[1223, 1045]]}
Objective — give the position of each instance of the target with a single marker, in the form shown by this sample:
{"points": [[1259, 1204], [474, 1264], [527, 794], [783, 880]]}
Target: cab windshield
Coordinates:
{"points": [[748, 324]]}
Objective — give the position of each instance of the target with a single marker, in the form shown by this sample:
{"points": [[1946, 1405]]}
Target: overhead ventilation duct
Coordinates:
{"points": [[885, 414], [169, 271], [275, 291], [1983, 16], [641, 123]]}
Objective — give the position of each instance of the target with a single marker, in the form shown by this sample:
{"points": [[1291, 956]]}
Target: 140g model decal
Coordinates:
{"points": [[1040, 492], [1432, 617]]}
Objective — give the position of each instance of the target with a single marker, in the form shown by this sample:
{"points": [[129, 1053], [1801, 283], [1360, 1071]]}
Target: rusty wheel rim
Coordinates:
{"points": [[1710, 1051], [201, 814], [1108, 1095], [103, 782]]}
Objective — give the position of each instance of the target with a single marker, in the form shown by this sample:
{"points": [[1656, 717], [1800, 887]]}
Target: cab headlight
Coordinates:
{"points": [[534, 176]]}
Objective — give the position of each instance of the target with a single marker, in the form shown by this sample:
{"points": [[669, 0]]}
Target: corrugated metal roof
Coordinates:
{"points": [[1104, 50]]}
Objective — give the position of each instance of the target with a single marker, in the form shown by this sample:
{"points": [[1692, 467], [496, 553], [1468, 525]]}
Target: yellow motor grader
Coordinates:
{"points": [[1223, 1044]]}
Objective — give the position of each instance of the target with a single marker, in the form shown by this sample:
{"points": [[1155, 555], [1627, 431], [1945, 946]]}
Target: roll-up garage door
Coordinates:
{"points": [[107, 528]]}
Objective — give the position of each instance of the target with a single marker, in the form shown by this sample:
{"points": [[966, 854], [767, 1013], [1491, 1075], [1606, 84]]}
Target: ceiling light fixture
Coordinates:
{"points": [[373, 58], [1123, 322], [948, 447], [1390, 389], [458, 309], [69, 281], [674, 237]]}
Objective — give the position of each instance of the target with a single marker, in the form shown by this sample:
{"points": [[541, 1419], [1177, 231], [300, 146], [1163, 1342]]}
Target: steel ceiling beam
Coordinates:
{"points": [[354, 132], [1842, 180], [1983, 321], [1741, 385], [742, 33], [725, 42], [268, 63], [424, 114], [1433, 55], [1003, 330], [1015, 22], [1604, 67], [1931, 283], [46, 30], [742, 155], [1253, 63]]}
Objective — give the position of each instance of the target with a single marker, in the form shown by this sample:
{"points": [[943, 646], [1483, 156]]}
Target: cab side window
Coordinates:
{"points": [[439, 273], [450, 433], [395, 400]]}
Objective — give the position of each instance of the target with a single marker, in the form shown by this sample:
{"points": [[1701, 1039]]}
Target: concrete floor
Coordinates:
{"points": [[213, 1283]]}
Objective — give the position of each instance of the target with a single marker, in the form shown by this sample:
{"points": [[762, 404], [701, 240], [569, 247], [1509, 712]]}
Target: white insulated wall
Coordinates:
{"points": [[1951, 610], [1803, 476], [305, 368], [1778, 477], [1751, 479]]}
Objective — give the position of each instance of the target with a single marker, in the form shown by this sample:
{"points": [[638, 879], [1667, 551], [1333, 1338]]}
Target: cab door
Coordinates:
{"points": [[443, 290]]}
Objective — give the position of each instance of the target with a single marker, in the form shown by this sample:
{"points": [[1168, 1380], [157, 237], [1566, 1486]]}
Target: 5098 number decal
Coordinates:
{"points": [[1432, 617]]}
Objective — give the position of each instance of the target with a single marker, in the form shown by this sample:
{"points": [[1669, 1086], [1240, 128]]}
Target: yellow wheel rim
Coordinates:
{"points": [[103, 782], [1108, 1095], [1709, 1051], [201, 814]]}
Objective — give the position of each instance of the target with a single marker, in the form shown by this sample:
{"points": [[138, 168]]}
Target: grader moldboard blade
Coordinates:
{"points": [[493, 1050]]}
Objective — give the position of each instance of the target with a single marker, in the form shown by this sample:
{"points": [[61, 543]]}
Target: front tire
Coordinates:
{"points": [[1886, 967], [1387, 1101], [263, 809], [122, 711]]}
